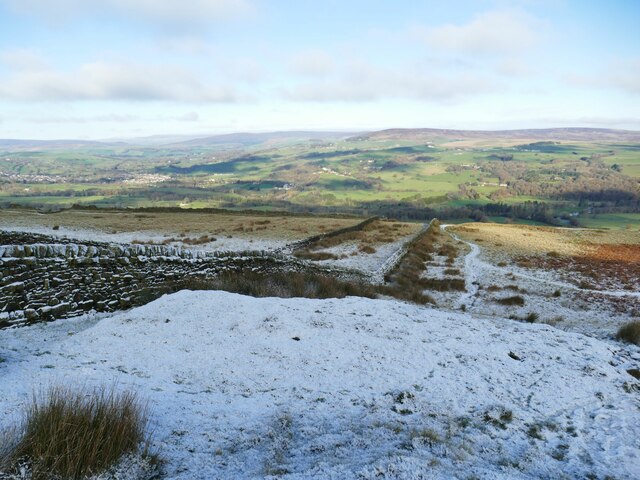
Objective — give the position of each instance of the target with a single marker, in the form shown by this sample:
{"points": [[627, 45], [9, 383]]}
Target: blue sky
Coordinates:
{"points": [[124, 68]]}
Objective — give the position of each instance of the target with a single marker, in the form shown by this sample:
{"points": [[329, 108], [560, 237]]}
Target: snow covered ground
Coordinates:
{"points": [[374, 264], [353, 388], [222, 243], [350, 257]]}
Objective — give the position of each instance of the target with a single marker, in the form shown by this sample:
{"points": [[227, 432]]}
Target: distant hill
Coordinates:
{"points": [[273, 139], [546, 134], [11, 144], [249, 139]]}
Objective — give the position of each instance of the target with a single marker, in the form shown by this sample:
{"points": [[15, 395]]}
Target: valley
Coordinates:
{"points": [[566, 177]]}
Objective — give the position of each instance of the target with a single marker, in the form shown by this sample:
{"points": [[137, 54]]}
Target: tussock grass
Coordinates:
{"points": [[442, 284], [368, 249], [515, 300], [315, 256], [71, 434], [407, 278], [308, 285], [290, 284], [630, 332]]}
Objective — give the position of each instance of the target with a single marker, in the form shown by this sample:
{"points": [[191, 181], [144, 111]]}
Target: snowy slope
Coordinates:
{"points": [[372, 388]]}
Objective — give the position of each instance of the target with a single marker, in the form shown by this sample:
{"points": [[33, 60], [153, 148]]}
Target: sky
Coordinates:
{"points": [[99, 69]]}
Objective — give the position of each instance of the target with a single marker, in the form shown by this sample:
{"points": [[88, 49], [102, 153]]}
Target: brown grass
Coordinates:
{"points": [[627, 253], [406, 279], [316, 256], [378, 232], [72, 434], [307, 285], [179, 223], [630, 332], [290, 284], [516, 300]]}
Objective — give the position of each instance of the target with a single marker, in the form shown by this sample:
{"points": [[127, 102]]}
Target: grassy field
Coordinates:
{"points": [[592, 258], [191, 223], [358, 175], [625, 221], [537, 240]]}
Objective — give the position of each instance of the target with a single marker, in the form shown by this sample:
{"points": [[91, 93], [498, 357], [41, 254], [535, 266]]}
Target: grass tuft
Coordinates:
{"points": [[509, 301], [73, 434], [290, 284], [630, 332]]}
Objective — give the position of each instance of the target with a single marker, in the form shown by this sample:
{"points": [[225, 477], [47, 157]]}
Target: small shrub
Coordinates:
{"points": [[515, 288], [510, 301], [367, 249], [535, 431], [315, 256], [426, 436], [557, 293], [585, 285], [498, 417], [448, 250], [198, 241], [532, 317], [634, 372], [554, 321], [442, 284], [73, 434], [289, 284], [630, 332]]}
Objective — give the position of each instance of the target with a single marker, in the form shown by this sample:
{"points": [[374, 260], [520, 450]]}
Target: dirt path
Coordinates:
{"points": [[471, 262]]}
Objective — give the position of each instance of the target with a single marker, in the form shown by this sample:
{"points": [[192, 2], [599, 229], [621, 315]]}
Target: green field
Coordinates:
{"points": [[615, 221], [560, 182]]}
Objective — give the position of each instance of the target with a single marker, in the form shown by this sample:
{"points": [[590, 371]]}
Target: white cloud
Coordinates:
{"points": [[23, 59], [602, 122], [107, 118], [312, 63], [622, 74], [496, 32], [175, 13], [180, 10], [625, 75], [365, 82], [113, 118], [114, 81], [514, 67], [243, 69], [188, 117]]}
